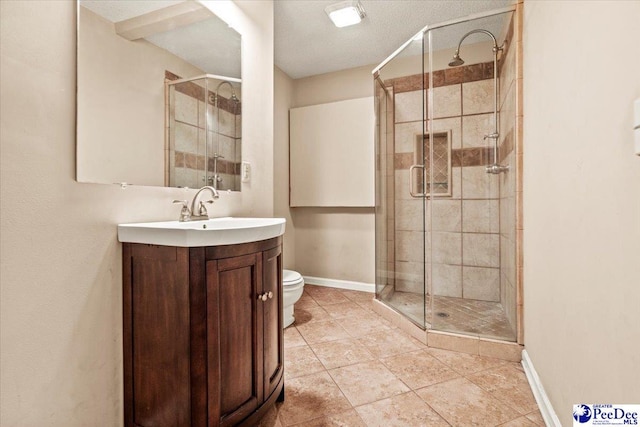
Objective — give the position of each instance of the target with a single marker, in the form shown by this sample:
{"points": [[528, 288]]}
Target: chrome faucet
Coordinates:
{"points": [[202, 210], [187, 214]]}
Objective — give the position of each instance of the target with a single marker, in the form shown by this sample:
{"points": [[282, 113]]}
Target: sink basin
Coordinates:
{"points": [[214, 232]]}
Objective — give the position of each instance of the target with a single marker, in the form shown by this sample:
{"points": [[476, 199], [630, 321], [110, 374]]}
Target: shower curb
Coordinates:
{"points": [[485, 347]]}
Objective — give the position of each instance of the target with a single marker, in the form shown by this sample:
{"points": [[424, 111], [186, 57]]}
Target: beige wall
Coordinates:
{"points": [[283, 85], [582, 201], [60, 276], [332, 87], [334, 243]]}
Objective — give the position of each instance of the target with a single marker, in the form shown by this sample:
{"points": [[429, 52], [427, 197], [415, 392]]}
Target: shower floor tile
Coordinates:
{"points": [[386, 378], [485, 319]]}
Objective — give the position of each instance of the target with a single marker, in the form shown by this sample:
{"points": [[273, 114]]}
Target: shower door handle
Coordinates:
{"points": [[411, 192]]}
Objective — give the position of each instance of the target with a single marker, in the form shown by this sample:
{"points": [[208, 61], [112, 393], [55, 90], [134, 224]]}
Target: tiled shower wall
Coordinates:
{"points": [[191, 126], [465, 226]]}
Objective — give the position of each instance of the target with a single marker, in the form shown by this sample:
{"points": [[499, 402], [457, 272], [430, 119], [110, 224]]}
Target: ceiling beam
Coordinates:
{"points": [[162, 20]]}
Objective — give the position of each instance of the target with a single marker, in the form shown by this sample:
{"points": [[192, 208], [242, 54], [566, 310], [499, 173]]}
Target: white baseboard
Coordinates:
{"points": [[340, 284], [546, 409]]}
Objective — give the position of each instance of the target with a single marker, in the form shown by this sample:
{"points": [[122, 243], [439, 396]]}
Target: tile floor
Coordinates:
{"points": [[472, 317], [346, 366]]}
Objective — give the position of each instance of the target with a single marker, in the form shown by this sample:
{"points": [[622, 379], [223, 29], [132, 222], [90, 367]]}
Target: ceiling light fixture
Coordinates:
{"points": [[345, 13]]}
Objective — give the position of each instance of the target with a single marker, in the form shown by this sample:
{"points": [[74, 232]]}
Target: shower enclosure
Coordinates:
{"points": [[204, 143], [448, 157]]}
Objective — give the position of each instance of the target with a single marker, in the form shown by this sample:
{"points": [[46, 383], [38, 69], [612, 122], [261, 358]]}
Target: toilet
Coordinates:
{"points": [[293, 286]]}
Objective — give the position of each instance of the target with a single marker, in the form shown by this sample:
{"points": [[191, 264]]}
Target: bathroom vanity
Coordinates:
{"points": [[203, 337]]}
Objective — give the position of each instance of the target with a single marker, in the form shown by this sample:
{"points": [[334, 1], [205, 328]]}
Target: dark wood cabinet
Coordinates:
{"points": [[203, 341]]}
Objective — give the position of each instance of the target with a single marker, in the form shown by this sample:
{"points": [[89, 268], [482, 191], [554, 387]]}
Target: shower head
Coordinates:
{"points": [[233, 96], [456, 61]]}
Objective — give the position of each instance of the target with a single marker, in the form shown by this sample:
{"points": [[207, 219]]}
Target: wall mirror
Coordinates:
{"points": [[158, 95]]}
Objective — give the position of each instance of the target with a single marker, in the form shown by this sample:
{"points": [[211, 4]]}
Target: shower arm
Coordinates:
{"points": [[494, 168], [496, 48], [233, 92]]}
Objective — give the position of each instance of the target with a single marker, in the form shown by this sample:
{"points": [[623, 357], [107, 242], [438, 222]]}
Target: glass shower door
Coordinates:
{"points": [[400, 184], [467, 146]]}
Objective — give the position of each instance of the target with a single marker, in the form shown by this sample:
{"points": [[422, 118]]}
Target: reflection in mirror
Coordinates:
{"points": [[159, 95], [204, 132]]}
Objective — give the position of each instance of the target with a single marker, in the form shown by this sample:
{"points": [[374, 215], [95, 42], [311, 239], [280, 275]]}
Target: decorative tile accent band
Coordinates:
{"points": [[460, 157], [195, 91], [449, 76], [475, 156], [195, 161]]}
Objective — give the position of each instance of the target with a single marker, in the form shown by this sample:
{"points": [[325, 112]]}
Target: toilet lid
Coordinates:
{"points": [[290, 277]]}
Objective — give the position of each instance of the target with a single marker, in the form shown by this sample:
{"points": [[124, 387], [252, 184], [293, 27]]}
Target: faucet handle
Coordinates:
{"points": [[185, 213], [203, 209]]}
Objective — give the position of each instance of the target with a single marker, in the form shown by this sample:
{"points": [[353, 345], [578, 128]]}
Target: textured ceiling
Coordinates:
{"points": [[119, 10], [307, 43]]}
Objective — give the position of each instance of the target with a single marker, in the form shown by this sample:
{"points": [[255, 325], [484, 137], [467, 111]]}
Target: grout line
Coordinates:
{"points": [[504, 401], [381, 360], [535, 413], [441, 381], [305, 422], [432, 408], [339, 388], [359, 417]]}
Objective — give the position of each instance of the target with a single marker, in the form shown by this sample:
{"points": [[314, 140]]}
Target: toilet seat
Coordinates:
{"points": [[291, 278]]}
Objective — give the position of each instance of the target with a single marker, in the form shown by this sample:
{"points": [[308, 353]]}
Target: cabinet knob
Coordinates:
{"points": [[265, 296]]}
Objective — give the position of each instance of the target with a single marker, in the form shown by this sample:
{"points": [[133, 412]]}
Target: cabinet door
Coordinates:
{"points": [[272, 328], [156, 335], [234, 345]]}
